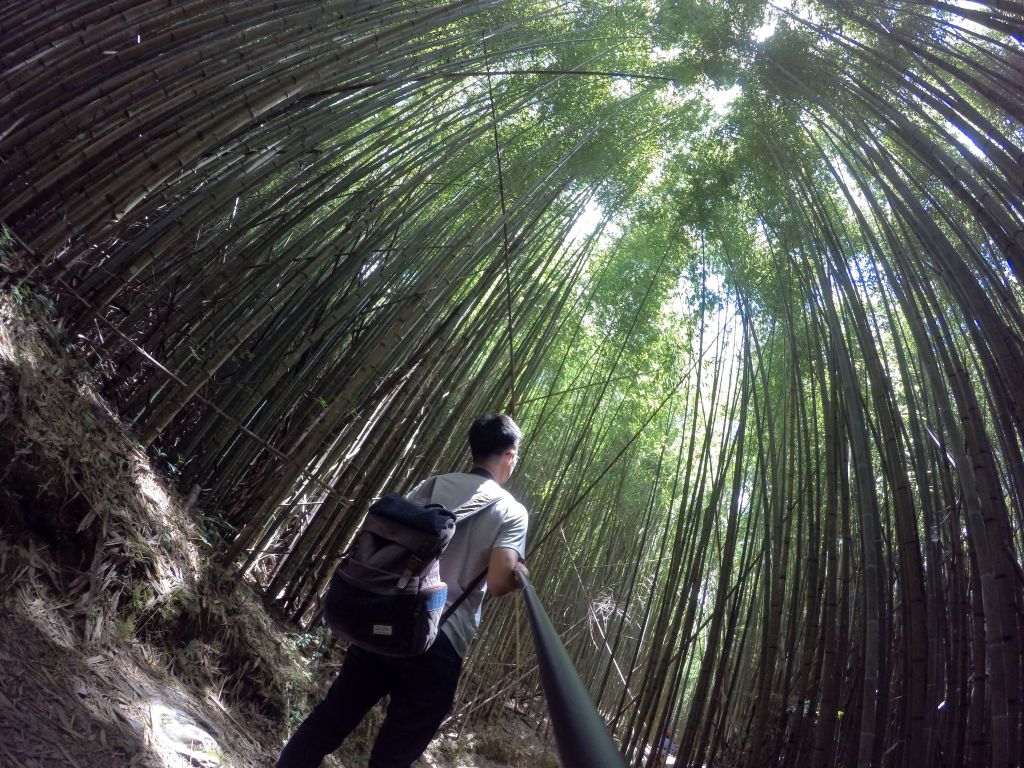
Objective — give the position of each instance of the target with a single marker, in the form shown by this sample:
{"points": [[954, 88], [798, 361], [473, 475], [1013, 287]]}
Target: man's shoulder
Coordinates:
{"points": [[455, 488], [511, 506], [505, 503]]}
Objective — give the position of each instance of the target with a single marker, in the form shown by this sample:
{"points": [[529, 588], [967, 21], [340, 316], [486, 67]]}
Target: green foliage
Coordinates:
{"points": [[829, 266], [712, 37]]}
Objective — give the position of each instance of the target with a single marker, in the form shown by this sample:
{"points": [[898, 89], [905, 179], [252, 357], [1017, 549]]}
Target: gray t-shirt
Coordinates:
{"points": [[502, 525]]}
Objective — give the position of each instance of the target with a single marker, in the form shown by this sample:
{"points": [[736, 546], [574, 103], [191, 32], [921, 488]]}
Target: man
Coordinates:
{"points": [[422, 688]]}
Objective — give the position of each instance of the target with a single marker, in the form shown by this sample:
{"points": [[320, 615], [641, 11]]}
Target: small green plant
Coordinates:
{"points": [[316, 645], [176, 602], [140, 597], [126, 628], [214, 529], [451, 749], [139, 606], [296, 699]]}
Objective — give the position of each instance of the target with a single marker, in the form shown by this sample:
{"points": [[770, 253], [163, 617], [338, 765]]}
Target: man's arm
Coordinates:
{"points": [[501, 571]]}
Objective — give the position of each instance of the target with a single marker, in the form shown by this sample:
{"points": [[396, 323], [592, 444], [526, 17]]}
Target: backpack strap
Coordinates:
{"points": [[472, 588], [465, 512], [424, 497], [472, 506], [451, 608], [475, 507]]}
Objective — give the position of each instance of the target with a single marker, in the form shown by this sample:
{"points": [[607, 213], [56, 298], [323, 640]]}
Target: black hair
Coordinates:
{"points": [[492, 434]]}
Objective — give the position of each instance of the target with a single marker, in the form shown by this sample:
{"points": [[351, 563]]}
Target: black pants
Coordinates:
{"points": [[422, 691]]}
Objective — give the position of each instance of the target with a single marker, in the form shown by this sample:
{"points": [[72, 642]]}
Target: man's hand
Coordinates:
{"points": [[501, 571], [520, 568]]}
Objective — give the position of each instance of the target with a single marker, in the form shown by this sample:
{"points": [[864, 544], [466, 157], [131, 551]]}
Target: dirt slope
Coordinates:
{"points": [[122, 644]]}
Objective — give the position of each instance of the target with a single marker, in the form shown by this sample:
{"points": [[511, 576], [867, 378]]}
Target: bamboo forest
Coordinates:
{"points": [[747, 273]]}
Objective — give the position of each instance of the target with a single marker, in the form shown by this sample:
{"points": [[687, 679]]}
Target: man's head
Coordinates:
{"points": [[494, 442]]}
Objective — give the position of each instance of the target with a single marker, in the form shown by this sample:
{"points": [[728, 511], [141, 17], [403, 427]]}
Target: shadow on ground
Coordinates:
{"points": [[58, 708]]}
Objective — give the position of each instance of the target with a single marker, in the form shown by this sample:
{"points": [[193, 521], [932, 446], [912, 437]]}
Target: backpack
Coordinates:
{"points": [[387, 595]]}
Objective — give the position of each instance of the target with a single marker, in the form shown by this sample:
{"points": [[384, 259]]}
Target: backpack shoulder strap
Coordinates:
{"points": [[467, 510], [426, 495], [477, 504], [472, 588]]}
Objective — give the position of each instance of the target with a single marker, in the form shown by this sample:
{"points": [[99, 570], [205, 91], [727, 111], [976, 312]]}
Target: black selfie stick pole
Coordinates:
{"points": [[582, 738]]}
